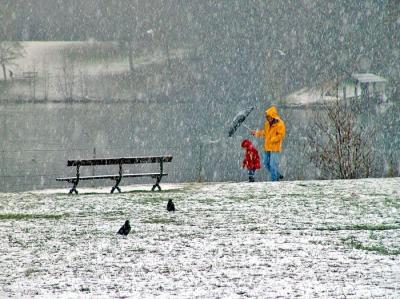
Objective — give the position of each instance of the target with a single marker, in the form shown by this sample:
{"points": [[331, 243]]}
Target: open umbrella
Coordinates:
{"points": [[238, 120]]}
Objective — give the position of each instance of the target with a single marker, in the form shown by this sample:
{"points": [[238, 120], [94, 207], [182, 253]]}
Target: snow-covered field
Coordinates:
{"points": [[311, 239]]}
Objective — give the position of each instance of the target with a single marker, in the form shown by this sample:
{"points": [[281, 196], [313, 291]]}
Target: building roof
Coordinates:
{"points": [[367, 78]]}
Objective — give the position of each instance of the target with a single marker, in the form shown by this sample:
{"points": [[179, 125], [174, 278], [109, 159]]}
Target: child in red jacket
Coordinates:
{"points": [[251, 160]]}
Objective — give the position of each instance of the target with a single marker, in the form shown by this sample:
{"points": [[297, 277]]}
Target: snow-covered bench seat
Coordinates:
{"points": [[117, 177]]}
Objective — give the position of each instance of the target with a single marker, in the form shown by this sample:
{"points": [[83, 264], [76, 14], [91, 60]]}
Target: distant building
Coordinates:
{"points": [[363, 85], [370, 85]]}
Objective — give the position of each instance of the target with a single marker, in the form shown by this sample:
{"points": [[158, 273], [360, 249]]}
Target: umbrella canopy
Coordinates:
{"points": [[238, 120]]}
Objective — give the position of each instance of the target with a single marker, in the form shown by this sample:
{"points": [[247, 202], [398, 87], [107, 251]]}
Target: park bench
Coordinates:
{"points": [[117, 177], [24, 76]]}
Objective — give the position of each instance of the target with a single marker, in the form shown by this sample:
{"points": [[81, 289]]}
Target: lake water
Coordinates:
{"points": [[38, 139]]}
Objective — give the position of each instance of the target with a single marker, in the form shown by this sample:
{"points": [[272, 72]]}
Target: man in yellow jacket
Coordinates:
{"points": [[274, 133]]}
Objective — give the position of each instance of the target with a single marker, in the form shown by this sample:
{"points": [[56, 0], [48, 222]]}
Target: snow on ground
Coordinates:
{"points": [[312, 239], [40, 55]]}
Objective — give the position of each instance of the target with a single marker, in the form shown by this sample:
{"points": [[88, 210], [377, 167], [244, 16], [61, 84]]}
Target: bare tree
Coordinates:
{"points": [[9, 51], [338, 143], [33, 81], [46, 80], [66, 79], [83, 85]]}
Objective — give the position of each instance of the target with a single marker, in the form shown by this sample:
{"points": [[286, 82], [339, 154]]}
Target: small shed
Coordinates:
{"points": [[370, 85], [365, 85]]}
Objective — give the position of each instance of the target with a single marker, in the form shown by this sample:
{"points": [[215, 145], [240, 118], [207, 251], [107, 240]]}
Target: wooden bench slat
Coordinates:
{"points": [[113, 161], [112, 176], [117, 177], [134, 175]]}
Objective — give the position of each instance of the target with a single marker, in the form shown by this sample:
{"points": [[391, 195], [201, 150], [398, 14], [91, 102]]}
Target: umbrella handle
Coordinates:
{"points": [[247, 127]]}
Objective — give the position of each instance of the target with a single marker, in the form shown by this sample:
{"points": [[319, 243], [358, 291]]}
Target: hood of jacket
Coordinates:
{"points": [[272, 112], [246, 143]]}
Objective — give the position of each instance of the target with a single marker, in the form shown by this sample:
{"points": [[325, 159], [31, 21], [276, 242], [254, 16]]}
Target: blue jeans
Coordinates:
{"points": [[271, 163]]}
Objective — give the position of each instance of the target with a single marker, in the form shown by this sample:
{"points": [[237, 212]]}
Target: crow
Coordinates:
{"points": [[170, 206], [125, 229]]}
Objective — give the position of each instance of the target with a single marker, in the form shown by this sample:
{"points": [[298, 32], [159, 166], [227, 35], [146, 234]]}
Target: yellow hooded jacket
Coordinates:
{"points": [[273, 134]]}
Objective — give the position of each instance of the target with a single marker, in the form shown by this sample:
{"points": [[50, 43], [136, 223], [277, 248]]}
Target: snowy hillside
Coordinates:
{"points": [[87, 70], [310, 239]]}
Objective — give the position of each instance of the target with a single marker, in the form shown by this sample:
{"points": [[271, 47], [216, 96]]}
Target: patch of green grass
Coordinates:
{"points": [[31, 271], [192, 236], [319, 242], [160, 220], [17, 216], [378, 248], [114, 214], [137, 249], [261, 231], [294, 195], [207, 200], [370, 227], [156, 192], [155, 199], [284, 233], [239, 198], [392, 202], [372, 235], [123, 192]]}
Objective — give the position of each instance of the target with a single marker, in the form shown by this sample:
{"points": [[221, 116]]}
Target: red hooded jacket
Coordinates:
{"points": [[252, 159]]}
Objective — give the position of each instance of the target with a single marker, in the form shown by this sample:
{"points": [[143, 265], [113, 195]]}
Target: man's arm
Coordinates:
{"points": [[257, 133]]}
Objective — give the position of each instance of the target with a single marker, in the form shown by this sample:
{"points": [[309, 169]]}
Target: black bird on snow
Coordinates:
{"points": [[170, 206], [125, 229]]}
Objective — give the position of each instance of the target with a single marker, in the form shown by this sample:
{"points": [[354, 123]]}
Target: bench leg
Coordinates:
{"points": [[154, 187], [73, 189], [117, 181], [115, 187], [157, 184]]}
